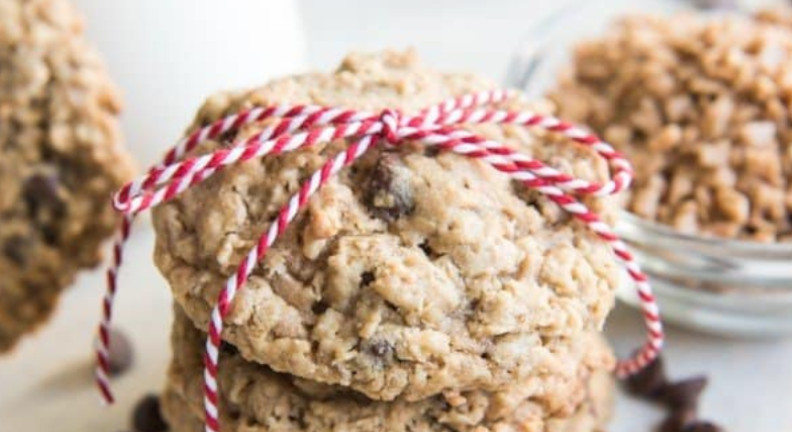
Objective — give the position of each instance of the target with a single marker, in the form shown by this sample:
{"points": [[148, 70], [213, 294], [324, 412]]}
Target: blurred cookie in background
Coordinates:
{"points": [[61, 158]]}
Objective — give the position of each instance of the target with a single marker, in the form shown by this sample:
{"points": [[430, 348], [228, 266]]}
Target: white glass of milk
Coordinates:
{"points": [[167, 56]]}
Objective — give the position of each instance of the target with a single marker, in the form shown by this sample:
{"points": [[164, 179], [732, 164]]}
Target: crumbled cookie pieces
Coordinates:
{"points": [[699, 106]]}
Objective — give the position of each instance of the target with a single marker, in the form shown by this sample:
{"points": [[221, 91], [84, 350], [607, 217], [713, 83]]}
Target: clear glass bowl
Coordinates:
{"points": [[721, 286], [715, 285]]}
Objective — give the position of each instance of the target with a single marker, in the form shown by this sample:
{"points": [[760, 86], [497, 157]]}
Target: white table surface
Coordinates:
{"points": [[45, 385]]}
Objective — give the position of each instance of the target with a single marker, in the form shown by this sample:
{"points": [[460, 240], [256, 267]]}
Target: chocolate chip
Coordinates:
{"points": [[49, 234], [121, 353], [388, 192], [678, 420], [40, 193], [319, 307], [431, 151], [228, 137], [228, 349], [298, 417], [234, 412], [427, 250], [683, 394], [366, 278], [702, 426], [680, 397], [15, 249], [649, 381], [147, 416]]}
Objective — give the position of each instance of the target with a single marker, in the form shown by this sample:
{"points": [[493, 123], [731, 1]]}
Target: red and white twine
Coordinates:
{"points": [[301, 126]]}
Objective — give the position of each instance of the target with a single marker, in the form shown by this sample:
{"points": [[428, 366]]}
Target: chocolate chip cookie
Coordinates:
{"points": [[254, 398], [60, 159], [410, 273]]}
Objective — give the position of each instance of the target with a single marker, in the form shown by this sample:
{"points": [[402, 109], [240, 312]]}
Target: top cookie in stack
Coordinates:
{"points": [[410, 273]]}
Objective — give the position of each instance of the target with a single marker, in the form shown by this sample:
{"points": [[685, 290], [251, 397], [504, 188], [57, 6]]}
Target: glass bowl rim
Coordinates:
{"points": [[733, 245]]}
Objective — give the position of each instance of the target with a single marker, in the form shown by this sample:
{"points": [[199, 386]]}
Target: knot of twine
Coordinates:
{"points": [[391, 122], [301, 126]]}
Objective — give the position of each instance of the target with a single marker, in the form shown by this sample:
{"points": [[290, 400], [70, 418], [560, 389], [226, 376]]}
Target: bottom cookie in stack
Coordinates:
{"points": [[254, 398]]}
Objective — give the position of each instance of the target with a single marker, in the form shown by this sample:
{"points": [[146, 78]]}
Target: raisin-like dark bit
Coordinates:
{"points": [[15, 248], [684, 393], [427, 249], [147, 416], [431, 151], [228, 137], [228, 349], [366, 278], [121, 355], [40, 193], [49, 234], [319, 307], [389, 194], [648, 382]]}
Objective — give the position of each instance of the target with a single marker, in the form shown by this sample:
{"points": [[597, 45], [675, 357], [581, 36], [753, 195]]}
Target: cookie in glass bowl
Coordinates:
{"points": [[699, 103]]}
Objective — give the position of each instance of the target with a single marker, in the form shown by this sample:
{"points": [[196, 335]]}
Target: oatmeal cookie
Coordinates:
{"points": [[254, 398], [409, 273], [60, 159]]}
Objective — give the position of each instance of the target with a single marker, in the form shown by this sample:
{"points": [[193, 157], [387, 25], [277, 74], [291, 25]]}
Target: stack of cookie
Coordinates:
{"points": [[418, 291]]}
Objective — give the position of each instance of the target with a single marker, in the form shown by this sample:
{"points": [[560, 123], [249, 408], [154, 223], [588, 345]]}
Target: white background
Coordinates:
{"points": [[45, 385]]}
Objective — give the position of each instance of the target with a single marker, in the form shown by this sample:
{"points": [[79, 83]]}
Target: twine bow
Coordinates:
{"points": [[301, 126]]}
